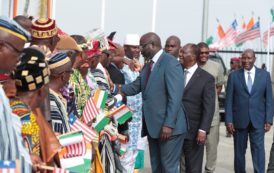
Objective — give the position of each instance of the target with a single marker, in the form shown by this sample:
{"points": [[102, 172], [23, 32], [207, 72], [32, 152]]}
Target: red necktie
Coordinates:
{"points": [[149, 71]]}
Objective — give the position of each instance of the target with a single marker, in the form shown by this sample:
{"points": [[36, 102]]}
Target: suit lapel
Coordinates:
{"points": [[154, 72], [256, 80], [242, 79], [193, 78]]}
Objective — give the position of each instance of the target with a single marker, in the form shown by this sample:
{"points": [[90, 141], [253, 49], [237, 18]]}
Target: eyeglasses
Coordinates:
{"points": [[10, 46], [145, 45], [204, 53]]}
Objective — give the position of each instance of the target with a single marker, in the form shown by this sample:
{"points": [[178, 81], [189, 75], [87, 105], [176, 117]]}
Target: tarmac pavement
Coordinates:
{"points": [[226, 153]]}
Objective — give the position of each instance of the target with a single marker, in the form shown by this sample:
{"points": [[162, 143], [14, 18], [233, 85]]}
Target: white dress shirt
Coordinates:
{"points": [[190, 72], [156, 57], [252, 74]]}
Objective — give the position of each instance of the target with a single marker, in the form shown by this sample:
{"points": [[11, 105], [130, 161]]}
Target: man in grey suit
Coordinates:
{"points": [[249, 111], [199, 103], [161, 84]]}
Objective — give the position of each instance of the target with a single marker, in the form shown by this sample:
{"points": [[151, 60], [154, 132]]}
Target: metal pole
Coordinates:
{"points": [[205, 20], [53, 9], [103, 14], [154, 15]]}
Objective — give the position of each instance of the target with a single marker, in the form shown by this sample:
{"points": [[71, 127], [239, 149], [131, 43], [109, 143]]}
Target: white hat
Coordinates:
{"points": [[132, 40]]}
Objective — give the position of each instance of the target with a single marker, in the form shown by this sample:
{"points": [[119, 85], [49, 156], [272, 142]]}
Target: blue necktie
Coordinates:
{"points": [[249, 82]]}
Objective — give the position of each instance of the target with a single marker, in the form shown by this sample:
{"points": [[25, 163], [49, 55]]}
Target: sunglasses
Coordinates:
{"points": [[204, 53]]}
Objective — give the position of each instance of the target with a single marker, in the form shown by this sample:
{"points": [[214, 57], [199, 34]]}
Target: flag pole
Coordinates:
{"points": [[205, 20], [15, 6], [103, 14], [260, 34], [49, 9], [154, 15], [268, 44], [53, 9]]}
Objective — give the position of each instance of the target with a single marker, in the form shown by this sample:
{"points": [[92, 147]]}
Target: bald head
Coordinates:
{"points": [[190, 54], [174, 38], [249, 51], [24, 21], [150, 44], [153, 38], [172, 46]]}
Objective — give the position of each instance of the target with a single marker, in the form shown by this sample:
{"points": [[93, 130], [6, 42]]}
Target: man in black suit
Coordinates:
{"points": [[199, 103], [114, 68]]}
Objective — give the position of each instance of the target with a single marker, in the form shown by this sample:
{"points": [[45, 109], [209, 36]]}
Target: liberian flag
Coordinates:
{"points": [[230, 35], [266, 37], [90, 111], [60, 170], [101, 122], [89, 133], [8, 166], [121, 114], [251, 34], [100, 98]]}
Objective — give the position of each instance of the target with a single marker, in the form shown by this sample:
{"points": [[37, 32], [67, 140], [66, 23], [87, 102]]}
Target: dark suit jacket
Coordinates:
{"points": [[162, 96], [243, 107], [116, 75], [199, 101]]}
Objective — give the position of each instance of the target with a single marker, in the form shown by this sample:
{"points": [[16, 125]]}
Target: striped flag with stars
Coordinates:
{"points": [[89, 133], [8, 166], [90, 111]]}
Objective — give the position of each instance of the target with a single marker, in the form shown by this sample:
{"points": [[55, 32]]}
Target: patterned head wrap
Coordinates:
{"points": [[57, 60], [32, 72], [43, 28], [13, 28]]}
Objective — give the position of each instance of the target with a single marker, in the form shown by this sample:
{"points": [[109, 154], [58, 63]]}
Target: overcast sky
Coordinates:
{"points": [[174, 17]]}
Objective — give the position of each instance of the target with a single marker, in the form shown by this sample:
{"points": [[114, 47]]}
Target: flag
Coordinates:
{"points": [[100, 98], [90, 111], [272, 14], [101, 122], [60, 170], [73, 150], [250, 24], [71, 138], [221, 32], [230, 35], [209, 40], [266, 37], [251, 34], [74, 144], [7, 166], [89, 133], [243, 25], [121, 114], [77, 164]]}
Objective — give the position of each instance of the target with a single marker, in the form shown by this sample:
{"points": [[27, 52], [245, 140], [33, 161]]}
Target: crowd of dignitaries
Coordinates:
{"points": [[48, 77]]}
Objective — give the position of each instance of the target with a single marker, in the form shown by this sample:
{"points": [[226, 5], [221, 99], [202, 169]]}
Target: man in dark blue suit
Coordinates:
{"points": [[249, 111], [161, 83]]}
